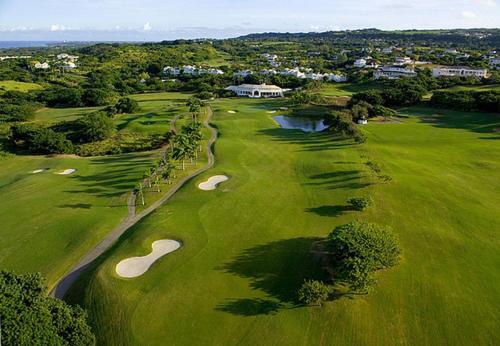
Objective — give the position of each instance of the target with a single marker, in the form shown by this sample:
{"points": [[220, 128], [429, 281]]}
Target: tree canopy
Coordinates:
{"points": [[29, 317]]}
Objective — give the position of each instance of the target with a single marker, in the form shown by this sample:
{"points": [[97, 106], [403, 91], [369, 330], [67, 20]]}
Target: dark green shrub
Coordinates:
{"points": [[360, 203], [313, 292]]}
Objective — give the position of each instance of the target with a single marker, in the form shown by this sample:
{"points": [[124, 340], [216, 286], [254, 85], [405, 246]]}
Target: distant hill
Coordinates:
{"points": [[469, 37]]}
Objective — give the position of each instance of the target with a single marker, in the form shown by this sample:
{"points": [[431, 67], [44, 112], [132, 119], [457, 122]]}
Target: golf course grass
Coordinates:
{"points": [[11, 85], [48, 221], [247, 245]]}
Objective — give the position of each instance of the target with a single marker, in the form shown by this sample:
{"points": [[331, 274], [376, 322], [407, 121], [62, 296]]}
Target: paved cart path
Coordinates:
{"points": [[63, 285]]}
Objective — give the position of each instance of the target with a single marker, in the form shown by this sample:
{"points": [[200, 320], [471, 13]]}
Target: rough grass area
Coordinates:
{"points": [[247, 245], [10, 85]]}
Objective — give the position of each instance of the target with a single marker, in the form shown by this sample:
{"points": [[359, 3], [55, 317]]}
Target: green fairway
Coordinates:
{"points": [[48, 221], [10, 85], [246, 246], [346, 89]]}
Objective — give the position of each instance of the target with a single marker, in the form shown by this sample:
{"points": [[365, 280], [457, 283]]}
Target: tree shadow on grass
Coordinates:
{"points": [[351, 179], [330, 210], [250, 307], [276, 269], [76, 206], [317, 141]]}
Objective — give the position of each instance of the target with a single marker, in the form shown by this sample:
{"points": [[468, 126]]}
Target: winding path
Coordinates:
{"points": [[63, 285]]}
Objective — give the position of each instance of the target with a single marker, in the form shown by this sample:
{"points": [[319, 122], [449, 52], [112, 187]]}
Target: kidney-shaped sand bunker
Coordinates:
{"points": [[136, 266], [212, 182]]}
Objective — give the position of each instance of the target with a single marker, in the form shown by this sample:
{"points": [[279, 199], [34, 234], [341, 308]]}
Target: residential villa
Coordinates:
{"points": [[360, 63], [190, 70], [403, 60], [10, 57], [494, 62], [42, 66], [394, 72], [64, 56], [69, 65], [256, 91], [458, 71], [338, 78], [242, 73]]}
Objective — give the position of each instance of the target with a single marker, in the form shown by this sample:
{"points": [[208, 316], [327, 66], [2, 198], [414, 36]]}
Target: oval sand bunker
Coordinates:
{"points": [[136, 266], [212, 182], [67, 171]]}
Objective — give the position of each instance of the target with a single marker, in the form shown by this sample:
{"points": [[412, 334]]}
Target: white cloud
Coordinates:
{"points": [[57, 27], [147, 27], [490, 3], [469, 15]]}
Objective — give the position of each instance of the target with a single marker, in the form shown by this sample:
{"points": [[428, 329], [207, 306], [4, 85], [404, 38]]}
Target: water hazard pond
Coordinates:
{"points": [[300, 123]]}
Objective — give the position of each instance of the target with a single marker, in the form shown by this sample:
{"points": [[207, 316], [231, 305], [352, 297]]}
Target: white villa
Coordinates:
{"points": [[458, 71], [394, 72], [190, 70], [403, 60], [256, 91], [242, 73], [338, 78], [42, 66], [64, 56], [360, 63], [494, 62], [69, 65]]}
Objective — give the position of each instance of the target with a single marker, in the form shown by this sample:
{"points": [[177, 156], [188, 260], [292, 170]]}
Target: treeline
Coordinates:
{"points": [[79, 136], [463, 100]]}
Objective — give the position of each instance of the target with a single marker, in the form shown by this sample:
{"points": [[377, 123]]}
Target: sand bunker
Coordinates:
{"points": [[271, 112], [212, 182], [39, 170], [136, 266], [232, 112], [67, 171]]}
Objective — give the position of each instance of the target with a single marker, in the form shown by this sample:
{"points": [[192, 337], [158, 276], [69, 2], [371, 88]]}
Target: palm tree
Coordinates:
{"points": [[157, 184], [147, 175], [139, 189], [180, 153]]}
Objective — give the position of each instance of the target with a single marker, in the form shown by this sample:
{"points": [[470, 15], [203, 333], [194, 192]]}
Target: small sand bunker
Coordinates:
{"points": [[212, 182], [284, 108], [232, 112], [271, 112], [136, 266], [39, 170], [67, 171]]}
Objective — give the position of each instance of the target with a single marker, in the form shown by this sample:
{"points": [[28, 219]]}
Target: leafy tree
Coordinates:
{"points": [[126, 105], [95, 127], [359, 249], [29, 317], [96, 97], [313, 292], [62, 97], [360, 203], [40, 140]]}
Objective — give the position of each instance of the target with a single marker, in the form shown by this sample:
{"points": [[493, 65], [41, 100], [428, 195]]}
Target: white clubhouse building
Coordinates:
{"points": [[458, 71], [256, 91]]}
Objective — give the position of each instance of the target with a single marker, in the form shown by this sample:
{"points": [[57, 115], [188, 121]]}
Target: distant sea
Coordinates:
{"points": [[25, 44]]}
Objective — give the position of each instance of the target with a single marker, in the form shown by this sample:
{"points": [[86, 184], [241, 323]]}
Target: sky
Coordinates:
{"points": [[155, 20]]}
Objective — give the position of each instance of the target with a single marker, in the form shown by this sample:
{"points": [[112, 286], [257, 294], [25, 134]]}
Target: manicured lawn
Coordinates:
{"points": [[10, 85], [346, 89], [48, 221], [246, 246]]}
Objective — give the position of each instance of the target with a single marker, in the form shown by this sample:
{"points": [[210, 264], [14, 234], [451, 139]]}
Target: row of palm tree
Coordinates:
{"points": [[185, 145]]}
